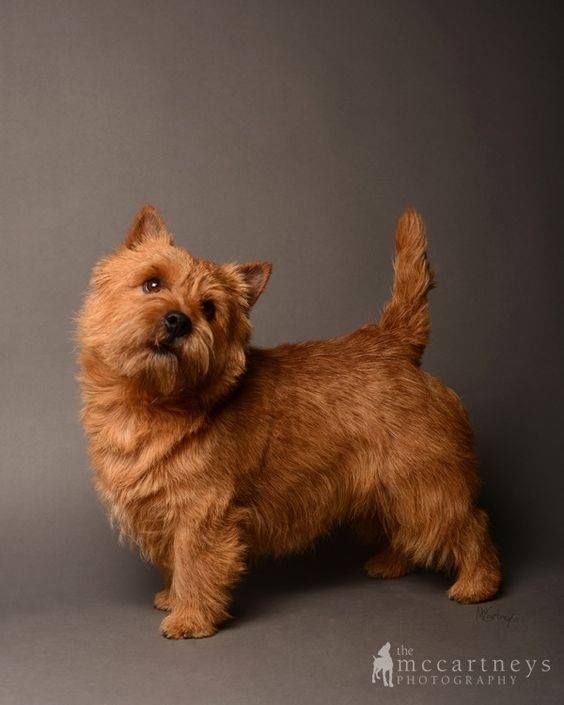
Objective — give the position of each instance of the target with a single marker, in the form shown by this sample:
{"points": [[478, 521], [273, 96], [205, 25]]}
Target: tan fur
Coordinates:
{"points": [[207, 451]]}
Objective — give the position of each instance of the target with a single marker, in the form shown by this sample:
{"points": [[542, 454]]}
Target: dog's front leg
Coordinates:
{"points": [[208, 558], [162, 599]]}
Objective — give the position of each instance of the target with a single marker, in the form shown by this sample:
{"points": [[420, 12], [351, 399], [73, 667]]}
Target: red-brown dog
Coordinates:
{"points": [[207, 451]]}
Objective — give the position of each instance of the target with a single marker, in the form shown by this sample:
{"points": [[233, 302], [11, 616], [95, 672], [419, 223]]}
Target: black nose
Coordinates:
{"points": [[177, 324]]}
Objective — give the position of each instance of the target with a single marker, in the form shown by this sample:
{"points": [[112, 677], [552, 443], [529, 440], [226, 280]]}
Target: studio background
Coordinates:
{"points": [[294, 132]]}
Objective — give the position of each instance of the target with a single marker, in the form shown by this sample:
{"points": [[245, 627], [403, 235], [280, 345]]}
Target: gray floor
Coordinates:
{"points": [[304, 631]]}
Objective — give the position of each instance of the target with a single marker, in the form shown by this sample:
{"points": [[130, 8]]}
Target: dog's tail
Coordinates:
{"points": [[407, 312]]}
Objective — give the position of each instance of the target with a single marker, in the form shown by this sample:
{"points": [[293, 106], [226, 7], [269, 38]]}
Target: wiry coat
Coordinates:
{"points": [[207, 450]]}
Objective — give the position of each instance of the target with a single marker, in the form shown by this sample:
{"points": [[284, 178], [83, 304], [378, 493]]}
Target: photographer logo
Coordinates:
{"points": [[401, 666]]}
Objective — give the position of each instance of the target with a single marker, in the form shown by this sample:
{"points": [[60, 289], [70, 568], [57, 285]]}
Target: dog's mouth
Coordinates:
{"points": [[163, 347]]}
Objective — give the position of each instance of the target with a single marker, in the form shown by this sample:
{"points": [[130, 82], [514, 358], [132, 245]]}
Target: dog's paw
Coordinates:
{"points": [[387, 564], [467, 592], [179, 625], [162, 600]]}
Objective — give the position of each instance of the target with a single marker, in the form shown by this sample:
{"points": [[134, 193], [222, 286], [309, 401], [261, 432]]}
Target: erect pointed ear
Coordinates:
{"points": [[255, 276], [147, 223]]}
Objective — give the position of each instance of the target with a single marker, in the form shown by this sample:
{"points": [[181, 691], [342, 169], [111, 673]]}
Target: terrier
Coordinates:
{"points": [[207, 451]]}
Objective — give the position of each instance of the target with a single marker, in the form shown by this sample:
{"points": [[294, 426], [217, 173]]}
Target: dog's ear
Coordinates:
{"points": [[255, 276], [147, 223]]}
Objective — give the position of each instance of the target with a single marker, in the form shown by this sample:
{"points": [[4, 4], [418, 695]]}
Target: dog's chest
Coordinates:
{"points": [[141, 494]]}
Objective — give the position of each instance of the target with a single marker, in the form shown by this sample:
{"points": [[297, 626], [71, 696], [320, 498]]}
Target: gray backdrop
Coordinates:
{"points": [[295, 132]]}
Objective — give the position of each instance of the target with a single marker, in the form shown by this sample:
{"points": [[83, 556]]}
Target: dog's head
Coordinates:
{"points": [[156, 314]]}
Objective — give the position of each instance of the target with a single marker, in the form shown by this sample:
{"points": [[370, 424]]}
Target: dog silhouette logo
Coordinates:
{"points": [[383, 666]]}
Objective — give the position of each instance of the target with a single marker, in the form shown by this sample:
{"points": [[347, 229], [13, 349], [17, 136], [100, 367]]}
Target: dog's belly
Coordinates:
{"points": [[291, 509], [283, 536]]}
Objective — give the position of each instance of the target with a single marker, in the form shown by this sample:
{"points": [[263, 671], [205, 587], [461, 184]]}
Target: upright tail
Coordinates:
{"points": [[407, 312]]}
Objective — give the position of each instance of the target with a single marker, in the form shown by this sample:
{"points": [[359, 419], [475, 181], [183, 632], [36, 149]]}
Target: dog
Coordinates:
{"points": [[384, 665], [207, 451]]}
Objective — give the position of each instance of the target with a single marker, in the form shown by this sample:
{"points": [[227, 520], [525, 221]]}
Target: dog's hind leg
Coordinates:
{"points": [[476, 562], [389, 563]]}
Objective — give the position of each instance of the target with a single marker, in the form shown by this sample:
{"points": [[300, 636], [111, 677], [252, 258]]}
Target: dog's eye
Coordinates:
{"points": [[152, 285], [208, 307]]}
